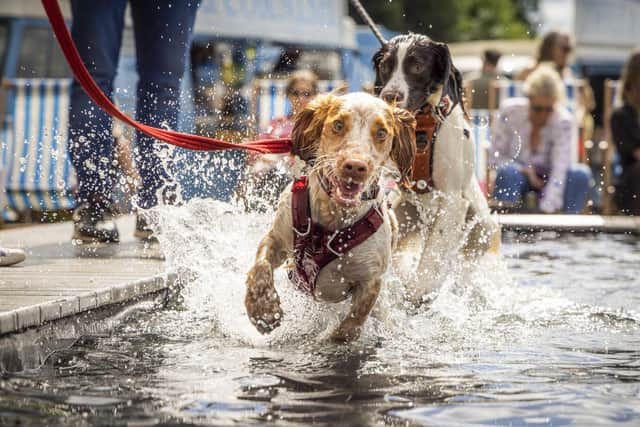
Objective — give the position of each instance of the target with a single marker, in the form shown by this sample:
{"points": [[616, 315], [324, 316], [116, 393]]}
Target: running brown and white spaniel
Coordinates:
{"points": [[333, 224]]}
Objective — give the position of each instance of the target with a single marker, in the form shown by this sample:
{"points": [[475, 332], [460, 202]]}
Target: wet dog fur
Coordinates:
{"points": [[413, 71], [332, 133]]}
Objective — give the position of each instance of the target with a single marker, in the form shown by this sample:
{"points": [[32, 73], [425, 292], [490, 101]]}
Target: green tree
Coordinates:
{"points": [[453, 20]]}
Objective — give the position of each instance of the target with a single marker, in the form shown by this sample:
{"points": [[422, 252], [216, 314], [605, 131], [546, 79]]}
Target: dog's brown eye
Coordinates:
{"points": [[338, 126], [382, 134]]}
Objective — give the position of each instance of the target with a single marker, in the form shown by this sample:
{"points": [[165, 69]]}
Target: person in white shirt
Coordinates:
{"points": [[532, 140]]}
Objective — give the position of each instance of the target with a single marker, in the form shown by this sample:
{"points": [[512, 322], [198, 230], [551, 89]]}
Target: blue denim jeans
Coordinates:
{"points": [[162, 39], [511, 186]]}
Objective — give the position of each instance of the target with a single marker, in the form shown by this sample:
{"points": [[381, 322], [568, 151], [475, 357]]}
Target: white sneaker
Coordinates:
{"points": [[11, 256]]}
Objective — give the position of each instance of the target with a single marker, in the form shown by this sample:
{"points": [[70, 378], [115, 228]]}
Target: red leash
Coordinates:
{"points": [[185, 140]]}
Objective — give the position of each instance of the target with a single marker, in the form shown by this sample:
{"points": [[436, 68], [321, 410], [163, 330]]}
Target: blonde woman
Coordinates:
{"points": [[532, 141], [625, 129]]}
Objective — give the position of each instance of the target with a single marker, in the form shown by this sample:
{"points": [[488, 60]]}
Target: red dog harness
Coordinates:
{"points": [[427, 126], [314, 246]]}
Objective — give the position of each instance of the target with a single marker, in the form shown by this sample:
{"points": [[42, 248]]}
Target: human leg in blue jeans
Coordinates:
{"points": [[576, 190], [511, 186], [97, 32], [162, 36]]}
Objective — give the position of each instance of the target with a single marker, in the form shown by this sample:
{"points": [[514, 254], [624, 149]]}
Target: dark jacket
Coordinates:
{"points": [[625, 129]]}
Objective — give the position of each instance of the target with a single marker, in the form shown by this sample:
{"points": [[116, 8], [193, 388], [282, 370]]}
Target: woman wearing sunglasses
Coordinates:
{"points": [[269, 173], [532, 140]]}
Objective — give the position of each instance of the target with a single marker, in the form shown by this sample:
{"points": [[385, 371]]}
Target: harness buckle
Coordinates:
{"points": [[306, 233], [330, 240]]}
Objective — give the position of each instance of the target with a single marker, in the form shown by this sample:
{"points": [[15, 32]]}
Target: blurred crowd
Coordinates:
{"points": [[533, 166], [531, 156]]}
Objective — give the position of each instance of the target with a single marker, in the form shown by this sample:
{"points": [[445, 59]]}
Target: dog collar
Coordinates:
{"points": [[428, 124]]}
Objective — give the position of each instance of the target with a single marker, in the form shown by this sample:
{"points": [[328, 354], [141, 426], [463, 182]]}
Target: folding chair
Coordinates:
{"points": [[33, 153]]}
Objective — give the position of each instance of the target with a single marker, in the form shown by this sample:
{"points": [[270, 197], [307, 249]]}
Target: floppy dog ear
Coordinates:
{"points": [[377, 58], [440, 71], [403, 150], [308, 125], [446, 75]]}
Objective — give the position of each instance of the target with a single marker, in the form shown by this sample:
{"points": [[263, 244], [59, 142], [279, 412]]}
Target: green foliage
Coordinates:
{"points": [[453, 20]]}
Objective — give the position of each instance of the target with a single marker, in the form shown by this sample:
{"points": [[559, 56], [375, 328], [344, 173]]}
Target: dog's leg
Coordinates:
{"points": [[362, 301], [443, 242], [483, 237], [261, 300], [485, 234]]}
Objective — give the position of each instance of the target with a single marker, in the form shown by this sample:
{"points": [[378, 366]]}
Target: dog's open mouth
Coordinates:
{"points": [[347, 192]]}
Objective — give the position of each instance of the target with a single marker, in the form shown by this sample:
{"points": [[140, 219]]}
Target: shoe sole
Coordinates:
{"points": [[79, 239], [144, 235], [11, 260]]}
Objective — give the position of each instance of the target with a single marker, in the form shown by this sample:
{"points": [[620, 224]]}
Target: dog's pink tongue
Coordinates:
{"points": [[348, 192]]}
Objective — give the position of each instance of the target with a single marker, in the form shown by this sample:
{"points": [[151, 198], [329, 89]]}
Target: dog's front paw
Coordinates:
{"points": [[262, 301], [347, 331]]}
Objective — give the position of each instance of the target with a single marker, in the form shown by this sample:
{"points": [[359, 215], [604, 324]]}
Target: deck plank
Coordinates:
{"points": [[59, 279]]}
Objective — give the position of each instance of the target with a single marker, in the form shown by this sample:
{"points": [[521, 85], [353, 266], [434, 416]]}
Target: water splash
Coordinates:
{"points": [[478, 304]]}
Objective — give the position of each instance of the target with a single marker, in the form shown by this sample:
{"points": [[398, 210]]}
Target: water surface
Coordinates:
{"points": [[549, 334]]}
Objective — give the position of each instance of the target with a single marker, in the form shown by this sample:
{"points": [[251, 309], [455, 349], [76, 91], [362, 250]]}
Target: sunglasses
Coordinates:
{"points": [[300, 93], [541, 108], [566, 48]]}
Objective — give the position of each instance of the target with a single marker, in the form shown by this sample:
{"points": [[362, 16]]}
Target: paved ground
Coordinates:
{"points": [[58, 279]]}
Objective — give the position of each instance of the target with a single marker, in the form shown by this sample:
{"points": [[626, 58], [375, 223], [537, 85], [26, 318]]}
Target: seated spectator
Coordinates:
{"points": [[532, 140], [481, 83], [625, 129], [555, 49], [270, 172]]}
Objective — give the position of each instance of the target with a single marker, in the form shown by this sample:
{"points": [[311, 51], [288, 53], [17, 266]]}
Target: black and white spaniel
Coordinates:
{"points": [[445, 212]]}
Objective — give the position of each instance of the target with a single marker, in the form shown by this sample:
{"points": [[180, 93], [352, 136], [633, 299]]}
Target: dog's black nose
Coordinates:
{"points": [[392, 96], [356, 169]]}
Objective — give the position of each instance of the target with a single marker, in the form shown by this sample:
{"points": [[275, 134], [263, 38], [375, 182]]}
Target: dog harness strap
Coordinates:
{"points": [[426, 133], [300, 206], [348, 238], [314, 246]]}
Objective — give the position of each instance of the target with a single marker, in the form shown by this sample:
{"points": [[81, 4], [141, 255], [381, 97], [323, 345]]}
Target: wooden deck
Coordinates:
{"points": [[59, 280], [571, 223]]}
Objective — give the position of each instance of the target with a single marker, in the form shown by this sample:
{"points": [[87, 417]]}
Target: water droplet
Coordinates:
{"points": [[481, 121]]}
